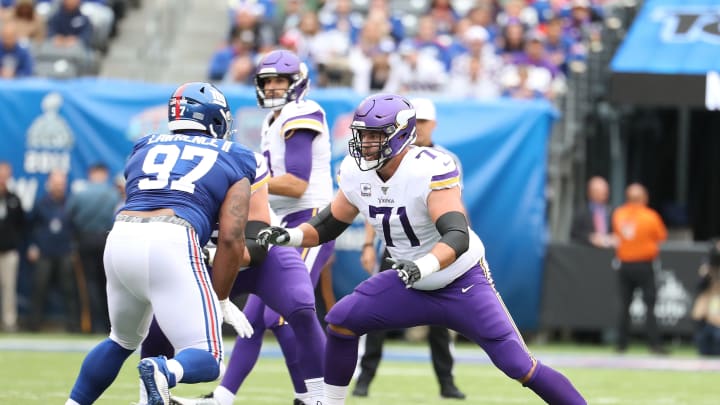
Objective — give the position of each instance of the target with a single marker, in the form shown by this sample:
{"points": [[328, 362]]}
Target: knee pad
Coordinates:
{"points": [[338, 314]]}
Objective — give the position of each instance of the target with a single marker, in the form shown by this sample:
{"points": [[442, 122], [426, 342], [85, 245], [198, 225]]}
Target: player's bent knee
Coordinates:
{"points": [[302, 296], [339, 314], [306, 314], [527, 377]]}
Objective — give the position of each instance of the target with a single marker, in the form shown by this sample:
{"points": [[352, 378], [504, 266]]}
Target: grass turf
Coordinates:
{"points": [[30, 376]]}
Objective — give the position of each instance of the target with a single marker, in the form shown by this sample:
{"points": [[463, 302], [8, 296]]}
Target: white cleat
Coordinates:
{"points": [[193, 401], [154, 375]]}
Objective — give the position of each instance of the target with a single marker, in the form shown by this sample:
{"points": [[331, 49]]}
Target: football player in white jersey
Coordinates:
{"points": [[296, 145], [438, 337], [411, 196]]}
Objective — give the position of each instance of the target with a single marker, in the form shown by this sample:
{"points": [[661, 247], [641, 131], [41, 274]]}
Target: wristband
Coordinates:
{"points": [[296, 237], [427, 264]]}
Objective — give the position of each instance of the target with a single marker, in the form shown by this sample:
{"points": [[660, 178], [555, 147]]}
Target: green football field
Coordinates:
{"points": [[40, 369]]}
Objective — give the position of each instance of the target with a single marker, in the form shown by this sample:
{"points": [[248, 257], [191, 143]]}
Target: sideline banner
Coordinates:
{"points": [[581, 289], [502, 145]]}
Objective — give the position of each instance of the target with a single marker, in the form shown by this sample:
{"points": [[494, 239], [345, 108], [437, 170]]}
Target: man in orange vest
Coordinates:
{"points": [[639, 231]]}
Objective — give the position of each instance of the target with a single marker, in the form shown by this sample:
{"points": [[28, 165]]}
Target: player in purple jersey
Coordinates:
{"points": [[178, 186], [279, 277], [296, 144], [411, 196]]}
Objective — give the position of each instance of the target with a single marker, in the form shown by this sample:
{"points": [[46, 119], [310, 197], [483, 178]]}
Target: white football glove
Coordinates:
{"points": [[277, 235], [232, 315], [412, 271]]}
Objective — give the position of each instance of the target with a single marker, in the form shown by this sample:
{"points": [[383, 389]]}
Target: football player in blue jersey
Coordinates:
{"points": [[178, 186], [411, 196]]}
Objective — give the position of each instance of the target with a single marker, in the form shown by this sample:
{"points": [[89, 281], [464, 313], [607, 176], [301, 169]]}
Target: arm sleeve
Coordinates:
{"points": [[327, 226], [298, 156]]}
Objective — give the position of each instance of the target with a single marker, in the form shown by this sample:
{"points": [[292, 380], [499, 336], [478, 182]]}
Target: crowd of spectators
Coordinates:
{"points": [[472, 49], [56, 38]]}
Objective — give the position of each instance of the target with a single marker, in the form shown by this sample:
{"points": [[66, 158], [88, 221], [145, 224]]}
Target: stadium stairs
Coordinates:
{"points": [[167, 41]]}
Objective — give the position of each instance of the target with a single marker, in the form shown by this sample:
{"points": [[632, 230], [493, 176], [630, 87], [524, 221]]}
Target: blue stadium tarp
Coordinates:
{"points": [[502, 144]]}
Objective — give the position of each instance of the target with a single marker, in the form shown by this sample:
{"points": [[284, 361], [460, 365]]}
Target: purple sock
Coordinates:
{"points": [[341, 353], [244, 355], [554, 387], [310, 338], [286, 338]]}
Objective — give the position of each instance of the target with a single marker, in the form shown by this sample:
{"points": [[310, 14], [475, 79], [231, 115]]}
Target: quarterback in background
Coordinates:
{"points": [[411, 196], [296, 145], [179, 185]]}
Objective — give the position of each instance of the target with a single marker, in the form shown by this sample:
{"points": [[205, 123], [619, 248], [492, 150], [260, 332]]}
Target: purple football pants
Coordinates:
{"points": [[470, 305], [263, 315]]}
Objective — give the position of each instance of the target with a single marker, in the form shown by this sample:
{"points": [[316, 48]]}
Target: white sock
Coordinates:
{"points": [[315, 390], [72, 402], [223, 395], [334, 394], [303, 396], [176, 368]]}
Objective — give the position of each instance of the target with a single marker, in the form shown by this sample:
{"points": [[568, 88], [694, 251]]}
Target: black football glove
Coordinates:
{"points": [[407, 270], [273, 235]]}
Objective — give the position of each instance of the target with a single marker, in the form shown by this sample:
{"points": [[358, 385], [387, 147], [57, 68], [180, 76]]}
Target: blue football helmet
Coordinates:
{"points": [[199, 106], [286, 64], [393, 117]]}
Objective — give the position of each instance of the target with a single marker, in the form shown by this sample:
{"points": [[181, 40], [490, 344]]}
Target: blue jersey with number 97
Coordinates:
{"points": [[187, 173]]}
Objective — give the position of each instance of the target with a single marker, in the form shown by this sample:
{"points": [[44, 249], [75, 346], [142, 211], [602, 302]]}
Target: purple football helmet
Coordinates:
{"points": [[199, 106], [286, 64], [393, 117]]}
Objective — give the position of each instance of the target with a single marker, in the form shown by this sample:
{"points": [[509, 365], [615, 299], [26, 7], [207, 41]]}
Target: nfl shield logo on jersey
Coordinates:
{"points": [[365, 189]]}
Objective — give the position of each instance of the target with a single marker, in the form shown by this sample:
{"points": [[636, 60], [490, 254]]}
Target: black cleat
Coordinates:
{"points": [[361, 388], [451, 391], [297, 401]]}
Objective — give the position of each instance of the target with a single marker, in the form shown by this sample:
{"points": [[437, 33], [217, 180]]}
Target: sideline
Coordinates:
{"points": [[414, 353]]}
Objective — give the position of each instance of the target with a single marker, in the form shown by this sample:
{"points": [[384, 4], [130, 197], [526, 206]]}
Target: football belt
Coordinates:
{"points": [[170, 219]]}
